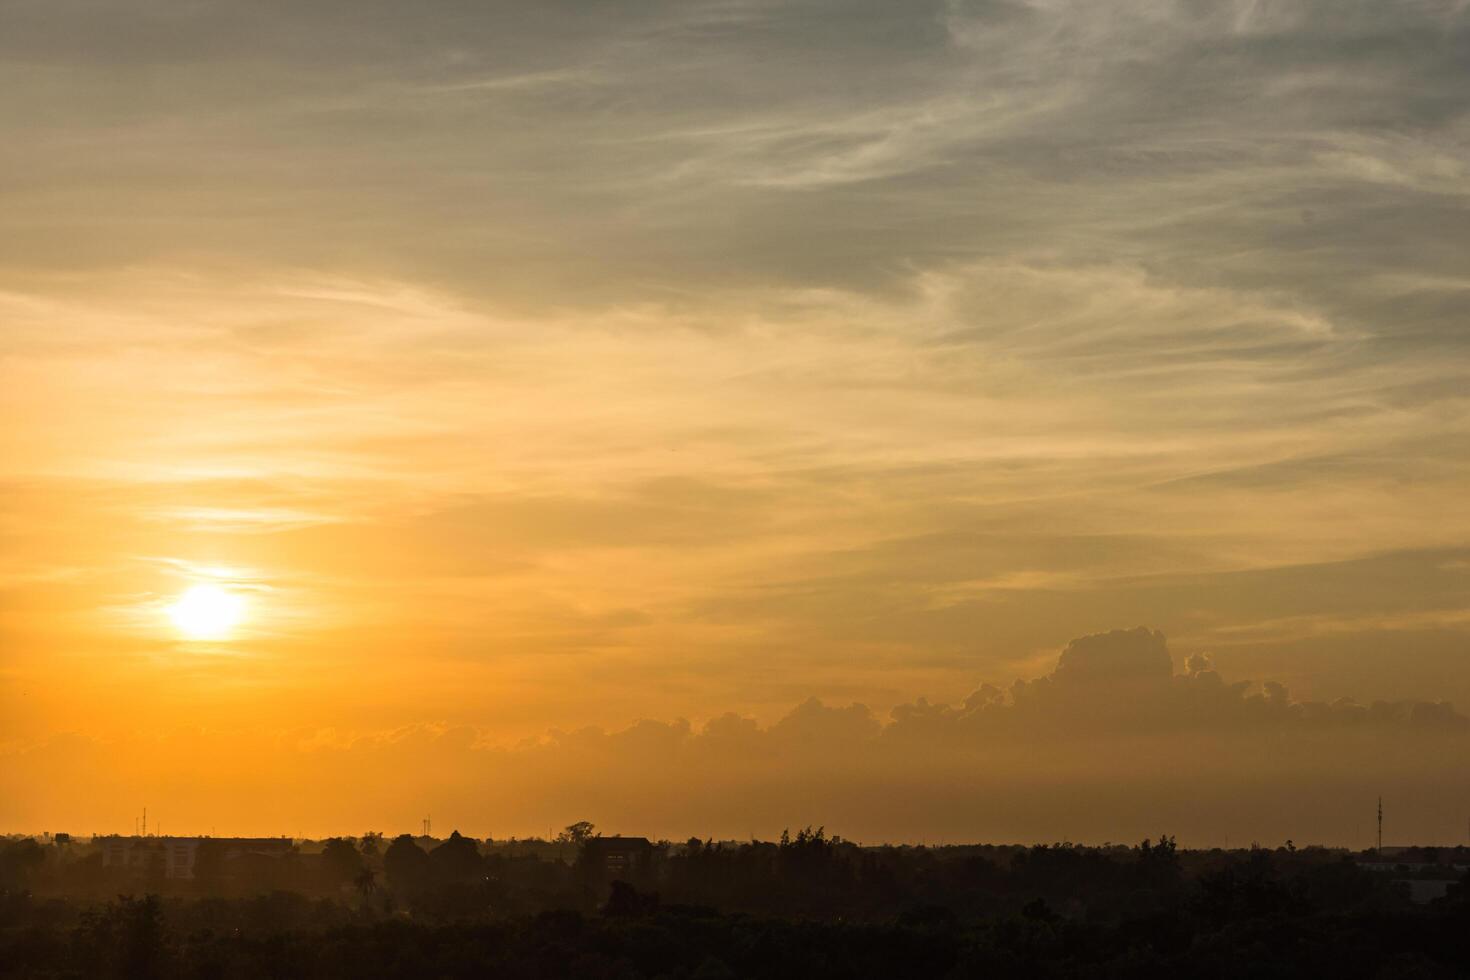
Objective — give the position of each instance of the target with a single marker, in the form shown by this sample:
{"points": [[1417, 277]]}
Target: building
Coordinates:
{"points": [[618, 857], [177, 856], [1424, 880], [128, 852]]}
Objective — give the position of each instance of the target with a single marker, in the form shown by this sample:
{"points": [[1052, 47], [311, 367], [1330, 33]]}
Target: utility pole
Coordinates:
{"points": [[1380, 825], [145, 821]]}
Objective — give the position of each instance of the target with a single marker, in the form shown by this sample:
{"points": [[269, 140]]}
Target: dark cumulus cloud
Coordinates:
{"points": [[1125, 681]]}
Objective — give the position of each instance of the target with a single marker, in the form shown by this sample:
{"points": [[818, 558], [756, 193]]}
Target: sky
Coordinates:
{"points": [[675, 415]]}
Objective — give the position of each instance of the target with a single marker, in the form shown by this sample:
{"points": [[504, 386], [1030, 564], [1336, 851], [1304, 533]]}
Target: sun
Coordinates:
{"points": [[207, 612]]}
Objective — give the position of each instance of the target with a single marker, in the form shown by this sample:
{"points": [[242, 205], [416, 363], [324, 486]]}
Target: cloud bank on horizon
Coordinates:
{"points": [[1112, 744], [555, 364]]}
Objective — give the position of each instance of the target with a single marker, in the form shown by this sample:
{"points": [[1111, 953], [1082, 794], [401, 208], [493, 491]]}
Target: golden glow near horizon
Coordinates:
{"points": [[386, 386], [207, 612]]}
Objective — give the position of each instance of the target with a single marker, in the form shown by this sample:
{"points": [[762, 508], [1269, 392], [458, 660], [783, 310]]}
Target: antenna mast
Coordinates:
{"points": [[1380, 823]]}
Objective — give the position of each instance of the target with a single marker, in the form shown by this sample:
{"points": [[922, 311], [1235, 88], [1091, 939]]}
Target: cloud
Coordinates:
{"points": [[1083, 752], [1120, 658], [1187, 137]]}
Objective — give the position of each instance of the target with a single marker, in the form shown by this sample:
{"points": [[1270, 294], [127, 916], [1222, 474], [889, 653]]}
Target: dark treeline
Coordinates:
{"points": [[808, 905]]}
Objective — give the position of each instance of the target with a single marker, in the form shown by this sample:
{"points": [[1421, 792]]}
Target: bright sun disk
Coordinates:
{"points": [[207, 612]]}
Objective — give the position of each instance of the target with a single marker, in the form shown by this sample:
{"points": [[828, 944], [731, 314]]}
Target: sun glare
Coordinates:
{"points": [[207, 612]]}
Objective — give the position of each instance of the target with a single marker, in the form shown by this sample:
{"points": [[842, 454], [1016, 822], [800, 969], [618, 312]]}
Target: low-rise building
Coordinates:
{"points": [[618, 857], [178, 855]]}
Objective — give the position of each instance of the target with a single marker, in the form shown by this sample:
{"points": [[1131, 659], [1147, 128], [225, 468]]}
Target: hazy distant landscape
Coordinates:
{"points": [[808, 905]]}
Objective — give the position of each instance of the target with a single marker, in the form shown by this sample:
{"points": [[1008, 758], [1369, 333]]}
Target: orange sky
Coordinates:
{"points": [[533, 369]]}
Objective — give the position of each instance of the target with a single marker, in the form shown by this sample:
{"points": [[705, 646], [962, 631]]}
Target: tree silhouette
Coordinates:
{"points": [[456, 860], [578, 833], [407, 865], [341, 862]]}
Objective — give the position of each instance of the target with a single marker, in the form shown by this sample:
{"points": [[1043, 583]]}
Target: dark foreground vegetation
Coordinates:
{"points": [[808, 906]]}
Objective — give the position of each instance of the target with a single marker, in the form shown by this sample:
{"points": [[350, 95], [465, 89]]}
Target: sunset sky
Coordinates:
{"points": [[565, 389]]}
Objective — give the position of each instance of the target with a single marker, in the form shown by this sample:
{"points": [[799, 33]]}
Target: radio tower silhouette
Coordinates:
{"points": [[1380, 823]]}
